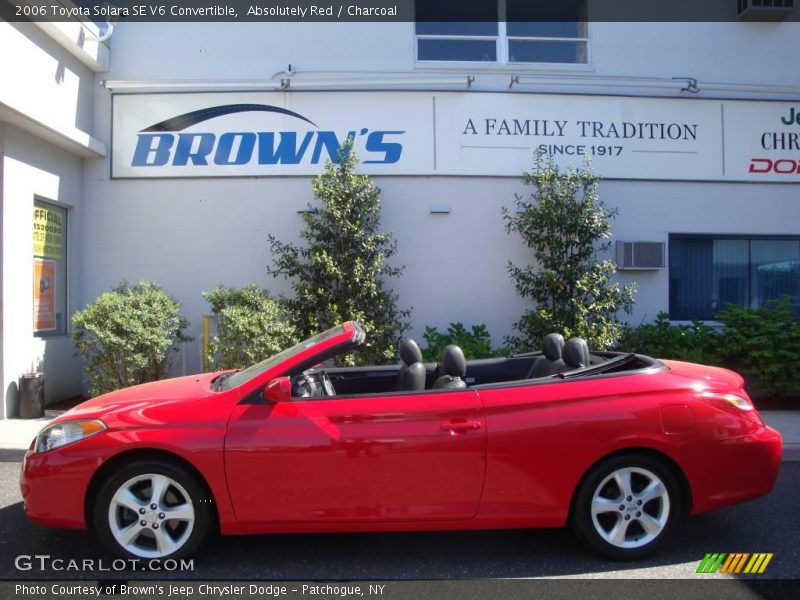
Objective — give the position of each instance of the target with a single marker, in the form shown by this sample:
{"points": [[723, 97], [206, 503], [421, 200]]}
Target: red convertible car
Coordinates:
{"points": [[619, 446]]}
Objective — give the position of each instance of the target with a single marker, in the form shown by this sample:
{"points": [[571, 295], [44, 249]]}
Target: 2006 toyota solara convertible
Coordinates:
{"points": [[619, 446]]}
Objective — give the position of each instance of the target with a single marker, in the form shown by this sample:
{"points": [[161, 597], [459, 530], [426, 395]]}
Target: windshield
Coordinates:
{"points": [[238, 378]]}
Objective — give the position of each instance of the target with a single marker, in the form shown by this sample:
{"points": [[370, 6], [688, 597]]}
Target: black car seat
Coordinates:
{"points": [[454, 366], [575, 353], [412, 375], [549, 362]]}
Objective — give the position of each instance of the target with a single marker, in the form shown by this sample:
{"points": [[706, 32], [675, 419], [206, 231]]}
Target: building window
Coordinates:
{"points": [[502, 31], [706, 273], [49, 269]]}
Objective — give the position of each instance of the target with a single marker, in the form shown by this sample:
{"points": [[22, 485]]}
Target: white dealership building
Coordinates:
{"points": [[168, 151]]}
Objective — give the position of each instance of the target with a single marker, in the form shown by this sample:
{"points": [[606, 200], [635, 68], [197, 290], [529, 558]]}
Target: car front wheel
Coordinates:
{"points": [[152, 510], [627, 506]]}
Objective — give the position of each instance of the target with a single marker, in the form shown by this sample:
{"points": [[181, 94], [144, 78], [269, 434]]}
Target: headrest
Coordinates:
{"points": [[409, 351], [576, 352], [552, 345], [453, 361]]}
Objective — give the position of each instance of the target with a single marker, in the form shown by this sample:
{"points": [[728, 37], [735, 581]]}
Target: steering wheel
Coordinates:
{"points": [[327, 385]]}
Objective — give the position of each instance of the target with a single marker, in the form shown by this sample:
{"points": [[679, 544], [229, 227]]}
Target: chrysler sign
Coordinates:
{"points": [[452, 133]]}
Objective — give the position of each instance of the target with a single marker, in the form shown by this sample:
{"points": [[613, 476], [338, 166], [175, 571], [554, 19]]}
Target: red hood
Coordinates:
{"points": [[189, 388]]}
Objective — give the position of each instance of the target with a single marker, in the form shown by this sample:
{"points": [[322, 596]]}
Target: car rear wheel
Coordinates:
{"points": [[152, 510], [627, 506]]}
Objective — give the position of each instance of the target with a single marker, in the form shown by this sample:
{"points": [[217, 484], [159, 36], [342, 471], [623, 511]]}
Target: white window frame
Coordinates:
{"points": [[502, 40]]}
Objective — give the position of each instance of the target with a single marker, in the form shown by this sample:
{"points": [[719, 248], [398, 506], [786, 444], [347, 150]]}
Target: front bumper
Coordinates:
{"points": [[54, 485]]}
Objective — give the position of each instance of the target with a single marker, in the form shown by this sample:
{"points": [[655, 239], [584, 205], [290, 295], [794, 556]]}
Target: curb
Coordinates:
{"points": [[791, 453]]}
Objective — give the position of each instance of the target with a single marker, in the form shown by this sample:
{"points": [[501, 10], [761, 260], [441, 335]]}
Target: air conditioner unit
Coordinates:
{"points": [[764, 10], [640, 256]]}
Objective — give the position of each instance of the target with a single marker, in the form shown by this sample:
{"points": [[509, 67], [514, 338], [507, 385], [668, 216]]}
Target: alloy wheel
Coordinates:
{"points": [[151, 515], [630, 507]]}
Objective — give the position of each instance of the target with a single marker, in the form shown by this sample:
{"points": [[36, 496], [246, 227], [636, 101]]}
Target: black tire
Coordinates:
{"points": [[183, 491], [636, 542]]}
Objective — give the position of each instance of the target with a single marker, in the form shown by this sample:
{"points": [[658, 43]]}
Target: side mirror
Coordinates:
{"points": [[278, 390]]}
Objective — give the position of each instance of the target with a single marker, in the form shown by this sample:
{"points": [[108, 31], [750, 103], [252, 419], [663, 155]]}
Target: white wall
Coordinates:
{"points": [[750, 53], [42, 81], [189, 235], [49, 91], [255, 50], [3, 410], [33, 168], [715, 52], [651, 211]]}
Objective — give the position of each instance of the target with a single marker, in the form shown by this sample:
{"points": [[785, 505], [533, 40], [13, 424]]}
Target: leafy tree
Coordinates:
{"points": [[125, 336], [565, 225], [252, 325], [340, 272]]}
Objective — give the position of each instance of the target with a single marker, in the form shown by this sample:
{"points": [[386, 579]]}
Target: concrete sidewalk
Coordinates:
{"points": [[787, 422], [18, 433]]}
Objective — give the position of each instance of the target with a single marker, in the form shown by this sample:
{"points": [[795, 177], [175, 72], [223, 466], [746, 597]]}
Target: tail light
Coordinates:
{"points": [[738, 403]]}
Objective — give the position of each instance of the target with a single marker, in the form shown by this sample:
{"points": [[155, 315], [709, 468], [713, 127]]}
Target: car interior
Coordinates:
{"points": [[558, 360]]}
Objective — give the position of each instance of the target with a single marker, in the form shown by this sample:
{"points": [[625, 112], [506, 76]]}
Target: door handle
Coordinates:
{"points": [[455, 426]]}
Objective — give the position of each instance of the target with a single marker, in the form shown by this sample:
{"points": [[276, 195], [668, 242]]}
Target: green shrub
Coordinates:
{"points": [[125, 336], [476, 343], [567, 229], [694, 343], [763, 344], [251, 326]]}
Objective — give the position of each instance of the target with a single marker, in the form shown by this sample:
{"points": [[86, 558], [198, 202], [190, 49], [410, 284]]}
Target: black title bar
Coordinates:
{"points": [[396, 10]]}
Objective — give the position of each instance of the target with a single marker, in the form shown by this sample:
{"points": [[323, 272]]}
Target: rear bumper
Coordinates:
{"points": [[735, 470]]}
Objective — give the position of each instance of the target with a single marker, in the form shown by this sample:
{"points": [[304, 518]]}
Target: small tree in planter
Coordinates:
{"points": [[340, 273], [566, 226], [252, 326], [125, 336]]}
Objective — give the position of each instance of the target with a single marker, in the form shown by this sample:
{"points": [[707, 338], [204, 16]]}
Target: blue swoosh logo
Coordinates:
{"points": [[185, 120]]}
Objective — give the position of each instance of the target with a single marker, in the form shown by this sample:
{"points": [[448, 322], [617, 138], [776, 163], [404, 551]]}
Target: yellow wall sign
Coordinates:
{"points": [[48, 234]]}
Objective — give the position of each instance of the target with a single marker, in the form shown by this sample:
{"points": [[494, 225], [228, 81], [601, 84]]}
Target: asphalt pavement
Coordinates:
{"points": [[768, 524]]}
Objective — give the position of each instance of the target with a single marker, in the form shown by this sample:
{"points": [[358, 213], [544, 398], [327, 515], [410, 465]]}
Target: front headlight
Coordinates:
{"points": [[67, 432]]}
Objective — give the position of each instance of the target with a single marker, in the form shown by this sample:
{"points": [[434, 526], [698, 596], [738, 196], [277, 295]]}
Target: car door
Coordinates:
{"points": [[388, 457]]}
